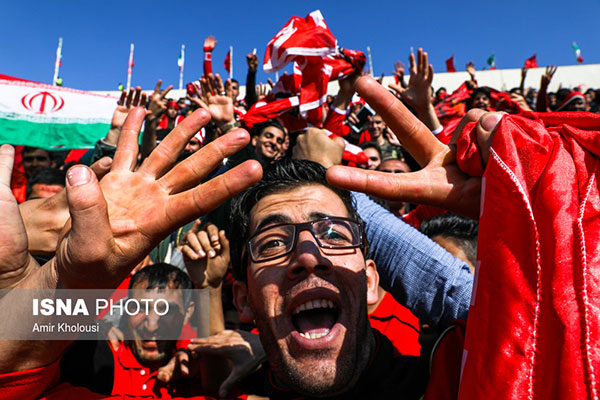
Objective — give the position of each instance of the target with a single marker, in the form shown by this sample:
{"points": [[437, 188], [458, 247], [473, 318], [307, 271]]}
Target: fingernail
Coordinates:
{"points": [[490, 121], [106, 162], [78, 175], [212, 253], [201, 253]]}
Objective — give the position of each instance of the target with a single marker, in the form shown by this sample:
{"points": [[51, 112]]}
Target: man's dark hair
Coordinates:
{"points": [[30, 149], [259, 128], [46, 176], [482, 90], [460, 230], [370, 145], [236, 81], [279, 177], [158, 276]]}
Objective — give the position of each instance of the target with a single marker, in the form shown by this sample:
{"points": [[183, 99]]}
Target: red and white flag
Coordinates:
{"points": [[306, 37], [309, 43], [227, 62]]}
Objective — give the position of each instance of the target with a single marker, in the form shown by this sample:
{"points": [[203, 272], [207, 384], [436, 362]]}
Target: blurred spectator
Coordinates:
{"points": [[45, 183]]}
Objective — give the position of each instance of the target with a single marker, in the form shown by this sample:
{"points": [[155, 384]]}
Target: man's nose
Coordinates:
{"points": [[308, 258], [151, 322]]}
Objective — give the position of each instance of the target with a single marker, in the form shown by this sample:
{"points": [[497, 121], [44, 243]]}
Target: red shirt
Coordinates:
{"points": [[398, 324]]}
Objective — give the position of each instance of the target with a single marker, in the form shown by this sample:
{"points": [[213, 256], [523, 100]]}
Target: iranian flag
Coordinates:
{"points": [[52, 117]]}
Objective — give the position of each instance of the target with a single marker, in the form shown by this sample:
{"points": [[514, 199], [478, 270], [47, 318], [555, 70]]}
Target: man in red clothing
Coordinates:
{"points": [[135, 362]]}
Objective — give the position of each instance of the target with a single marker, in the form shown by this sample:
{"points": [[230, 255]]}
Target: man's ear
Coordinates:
{"points": [[189, 312], [254, 140], [372, 282], [241, 302]]}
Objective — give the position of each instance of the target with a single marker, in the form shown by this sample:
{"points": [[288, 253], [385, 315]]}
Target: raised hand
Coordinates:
{"points": [[471, 70], [206, 255], [262, 91], [417, 94], [158, 101], [130, 212], [15, 260], [212, 98], [316, 146], [440, 183], [126, 102], [243, 349], [252, 60], [210, 43], [547, 77], [44, 219]]}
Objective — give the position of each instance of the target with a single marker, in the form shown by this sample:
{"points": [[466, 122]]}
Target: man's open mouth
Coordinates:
{"points": [[314, 319]]}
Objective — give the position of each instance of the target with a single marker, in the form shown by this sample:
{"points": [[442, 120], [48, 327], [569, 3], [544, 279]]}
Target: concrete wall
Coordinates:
{"points": [[503, 79]]}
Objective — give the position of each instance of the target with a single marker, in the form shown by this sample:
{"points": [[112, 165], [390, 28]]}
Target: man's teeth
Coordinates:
{"points": [[312, 304], [314, 335]]}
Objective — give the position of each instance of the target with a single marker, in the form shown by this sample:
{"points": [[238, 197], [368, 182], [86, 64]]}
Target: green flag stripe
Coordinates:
{"points": [[51, 136]]}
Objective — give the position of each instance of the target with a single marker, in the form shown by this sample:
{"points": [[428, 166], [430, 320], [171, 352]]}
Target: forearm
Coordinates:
{"points": [[428, 116], [421, 275], [217, 320], [541, 105], [251, 96], [207, 62]]}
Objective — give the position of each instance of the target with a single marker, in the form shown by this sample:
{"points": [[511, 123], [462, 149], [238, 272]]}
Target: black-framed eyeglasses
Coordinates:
{"points": [[280, 240]]}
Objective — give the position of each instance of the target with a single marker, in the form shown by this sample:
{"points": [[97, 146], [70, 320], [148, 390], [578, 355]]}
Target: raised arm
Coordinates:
{"points": [[116, 222], [440, 183], [418, 93]]}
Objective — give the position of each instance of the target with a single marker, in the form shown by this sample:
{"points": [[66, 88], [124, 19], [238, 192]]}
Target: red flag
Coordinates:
{"points": [[450, 65], [228, 61], [531, 62], [544, 167], [309, 37], [309, 43]]}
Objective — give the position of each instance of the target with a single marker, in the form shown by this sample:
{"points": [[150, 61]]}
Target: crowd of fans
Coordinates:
{"points": [[253, 257]]}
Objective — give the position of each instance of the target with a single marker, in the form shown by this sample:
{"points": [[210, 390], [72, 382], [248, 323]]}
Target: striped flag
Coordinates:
{"points": [[52, 117], [577, 51], [227, 62], [491, 61], [181, 59]]}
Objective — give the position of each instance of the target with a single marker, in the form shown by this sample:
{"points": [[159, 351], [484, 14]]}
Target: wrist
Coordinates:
{"points": [[227, 126]]}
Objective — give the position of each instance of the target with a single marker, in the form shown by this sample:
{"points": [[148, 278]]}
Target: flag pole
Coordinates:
{"points": [[231, 62], [57, 62], [130, 67], [370, 61], [181, 64]]}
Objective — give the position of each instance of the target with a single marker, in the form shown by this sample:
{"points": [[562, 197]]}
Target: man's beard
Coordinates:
{"points": [[323, 379]]}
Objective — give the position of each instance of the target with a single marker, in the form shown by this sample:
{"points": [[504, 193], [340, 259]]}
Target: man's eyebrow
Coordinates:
{"points": [[319, 215], [272, 219]]}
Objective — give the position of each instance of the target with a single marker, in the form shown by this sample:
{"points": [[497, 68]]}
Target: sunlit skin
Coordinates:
{"points": [[147, 330], [44, 191], [325, 365], [268, 144]]}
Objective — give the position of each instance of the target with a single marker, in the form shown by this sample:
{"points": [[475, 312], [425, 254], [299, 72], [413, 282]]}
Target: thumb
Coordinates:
{"points": [[87, 208], [165, 373], [229, 383], [485, 133]]}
